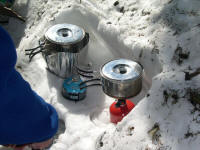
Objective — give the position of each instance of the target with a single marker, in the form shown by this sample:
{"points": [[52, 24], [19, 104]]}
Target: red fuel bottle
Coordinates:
{"points": [[119, 109]]}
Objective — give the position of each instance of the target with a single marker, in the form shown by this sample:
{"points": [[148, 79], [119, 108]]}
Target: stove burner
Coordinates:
{"points": [[72, 89]]}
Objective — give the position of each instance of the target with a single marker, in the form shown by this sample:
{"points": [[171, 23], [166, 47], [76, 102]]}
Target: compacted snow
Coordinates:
{"points": [[163, 35]]}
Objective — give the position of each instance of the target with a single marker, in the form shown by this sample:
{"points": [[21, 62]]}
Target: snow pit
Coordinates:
{"points": [[86, 120], [103, 47]]}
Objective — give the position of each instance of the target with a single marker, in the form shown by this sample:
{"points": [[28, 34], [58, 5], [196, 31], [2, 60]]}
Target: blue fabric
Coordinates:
{"points": [[24, 116]]}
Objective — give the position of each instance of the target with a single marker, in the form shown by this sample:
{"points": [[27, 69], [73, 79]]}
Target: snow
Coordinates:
{"points": [[152, 32]]}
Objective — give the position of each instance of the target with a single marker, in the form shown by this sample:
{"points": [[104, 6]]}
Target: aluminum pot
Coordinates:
{"points": [[121, 78], [62, 42]]}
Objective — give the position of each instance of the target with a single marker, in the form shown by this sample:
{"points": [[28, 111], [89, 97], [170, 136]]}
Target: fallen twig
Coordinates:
{"points": [[9, 12]]}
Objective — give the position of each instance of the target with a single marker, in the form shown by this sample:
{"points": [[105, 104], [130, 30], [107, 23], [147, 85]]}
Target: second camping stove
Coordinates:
{"points": [[63, 42], [121, 79]]}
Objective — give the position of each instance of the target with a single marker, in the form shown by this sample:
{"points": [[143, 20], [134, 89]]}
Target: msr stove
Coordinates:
{"points": [[60, 47], [67, 40], [121, 79]]}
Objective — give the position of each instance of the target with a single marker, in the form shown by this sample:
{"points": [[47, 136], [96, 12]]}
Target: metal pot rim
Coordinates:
{"points": [[124, 80], [76, 34]]}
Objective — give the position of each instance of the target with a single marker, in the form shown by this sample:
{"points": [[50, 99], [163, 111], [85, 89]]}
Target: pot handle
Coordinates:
{"points": [[86, 40], [34, 51], [91, 80], [96, 84], [140, 64]]}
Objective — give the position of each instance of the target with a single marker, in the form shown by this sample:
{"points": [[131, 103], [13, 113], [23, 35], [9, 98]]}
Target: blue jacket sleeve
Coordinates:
{"points": [[25, 116]]}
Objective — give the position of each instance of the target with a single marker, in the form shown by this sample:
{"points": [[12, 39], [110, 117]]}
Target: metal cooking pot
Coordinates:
{"points": [[121, 78], [62, 42]]}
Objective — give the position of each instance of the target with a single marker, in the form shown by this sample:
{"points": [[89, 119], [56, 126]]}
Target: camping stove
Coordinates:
{"points": [[63, 43], [60, 47], [121, 79]]}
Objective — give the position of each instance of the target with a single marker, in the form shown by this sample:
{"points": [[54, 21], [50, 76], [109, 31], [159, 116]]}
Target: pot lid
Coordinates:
{"points": [[65, 34], [121, 70]]}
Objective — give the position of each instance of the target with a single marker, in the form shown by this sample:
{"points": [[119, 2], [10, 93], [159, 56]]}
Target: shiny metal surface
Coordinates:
{"points": [[62, 43], [121, 70], [121, 78], [65, 34], [62, 63]]}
